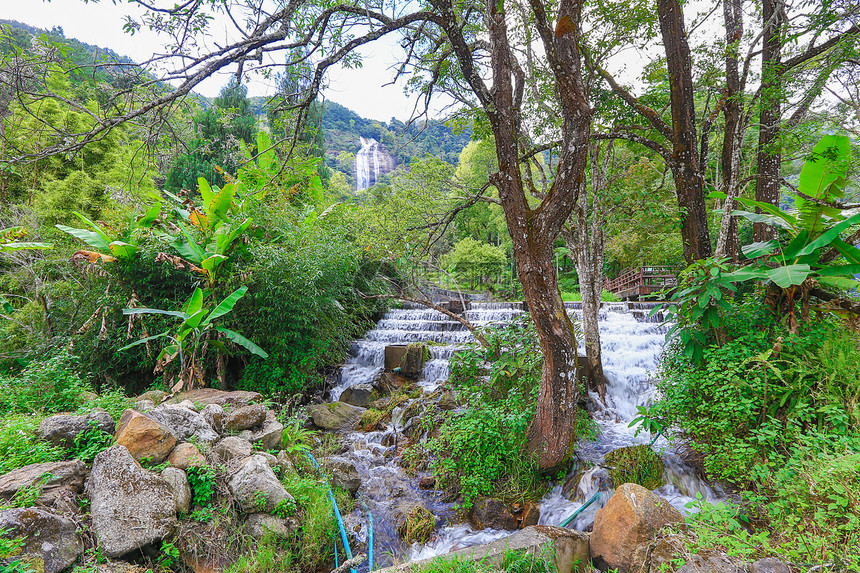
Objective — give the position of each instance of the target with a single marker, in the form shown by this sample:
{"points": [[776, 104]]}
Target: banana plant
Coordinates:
{"points": [[814, 229], [111, 247], [218, 230], [196, 330]]}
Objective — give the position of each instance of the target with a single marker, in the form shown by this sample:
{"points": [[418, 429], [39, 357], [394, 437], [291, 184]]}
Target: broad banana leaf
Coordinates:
{"points": [[226, 305], [220, 205], [822, 177], [830, 234], [123, 250], [93, 239], [142, 340], [789, 275], [149, 216], [754, 250], [175, 313], [244, 342], [205, 191], [195, 302]]}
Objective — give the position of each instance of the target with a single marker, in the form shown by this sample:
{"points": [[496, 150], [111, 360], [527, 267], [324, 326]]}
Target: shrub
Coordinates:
{"points": [[19, 445], [46, 385]]}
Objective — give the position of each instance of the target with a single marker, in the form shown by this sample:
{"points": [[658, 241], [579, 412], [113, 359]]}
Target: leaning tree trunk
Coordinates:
{"points": [[769, 158], [685, 162]]}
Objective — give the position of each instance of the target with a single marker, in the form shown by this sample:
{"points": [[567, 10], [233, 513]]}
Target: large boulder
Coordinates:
{"points": [[130, 507], [214, 416], [186, 455], [768, 565], [344, 475], [51, 543], [493, 513], [269, 435], [259, 524], [334, 415], [256, 487], [206, 396], [631, 517], [63, 476], [184, 423], [144, 437], [62, 429], [231, 448], [178, 482], [359, 395], [245, 418], [712, 564]]}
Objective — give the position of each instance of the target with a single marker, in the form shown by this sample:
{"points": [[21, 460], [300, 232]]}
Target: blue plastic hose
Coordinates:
{"points": [[336, 514], [580, 510], [369, 541]]}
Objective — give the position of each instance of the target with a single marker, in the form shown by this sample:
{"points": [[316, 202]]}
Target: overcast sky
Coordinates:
{"points": [[101, 24]]}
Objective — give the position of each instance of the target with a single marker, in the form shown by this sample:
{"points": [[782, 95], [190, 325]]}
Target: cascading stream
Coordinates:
{"points": [[631, 344]]}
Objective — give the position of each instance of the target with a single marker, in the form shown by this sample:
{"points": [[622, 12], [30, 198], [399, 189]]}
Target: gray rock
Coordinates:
{"points": [[258, 524], [344, 475], [221, 397], [49, 540], [178, 482], [144, 437], [62, 429], [232, 447], [359, 395], [144, 405], [270, 459], [184, 423], [334, 415], [214, 416], [768, 565], [255, 486], [245, 418], [130, 507], [285, 462], [711, 564], [270, 436], [188, 404], [64, 476]]}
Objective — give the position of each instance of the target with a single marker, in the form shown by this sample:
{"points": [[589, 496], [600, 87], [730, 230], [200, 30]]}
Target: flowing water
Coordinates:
{"points": [[367, 163], [631, 342]]}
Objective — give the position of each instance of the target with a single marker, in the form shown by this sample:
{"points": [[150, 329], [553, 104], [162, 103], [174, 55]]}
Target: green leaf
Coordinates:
{"points": [[763, 218], [193, 321], [91, 238], [746, 274], [211, 263], [195, 302], [840, 282], [822, 177], [789, 275], [205, 191], [16, 246], [754, 250], [220, 205], [771, 209], [843, 270], [830, 234], [149, 216], [175, 313], [850, 252], [189, 248], [244, 342], [142, 340], [123, 250], [95, 227], [796, 244], [226, 305], [266, 158]]}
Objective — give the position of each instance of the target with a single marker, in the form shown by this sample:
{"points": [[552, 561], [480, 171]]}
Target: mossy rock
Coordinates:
{"points": [[370, 419], [635, 464]]}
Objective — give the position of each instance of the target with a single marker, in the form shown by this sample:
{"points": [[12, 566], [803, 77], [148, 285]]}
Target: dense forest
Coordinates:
{"points": [[623, 307]]}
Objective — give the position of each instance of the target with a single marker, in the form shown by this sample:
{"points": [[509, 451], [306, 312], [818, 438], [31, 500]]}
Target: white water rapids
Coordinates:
{"points": [[631, 345]]}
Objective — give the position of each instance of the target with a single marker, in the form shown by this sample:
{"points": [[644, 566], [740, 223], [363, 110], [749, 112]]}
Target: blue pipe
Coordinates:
{"points": [[580, 510], [369, 541], [336, 514]]}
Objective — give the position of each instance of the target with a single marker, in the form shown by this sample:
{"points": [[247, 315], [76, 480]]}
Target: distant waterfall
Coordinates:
{"points": [[367, 167]]}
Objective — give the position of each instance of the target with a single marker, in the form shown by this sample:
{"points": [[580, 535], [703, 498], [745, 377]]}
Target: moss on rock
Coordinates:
{"points": [[635, 464]]}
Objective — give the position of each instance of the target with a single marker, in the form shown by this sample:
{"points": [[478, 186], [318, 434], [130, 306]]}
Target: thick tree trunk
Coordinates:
{"points": [[769, 158], [685, 162], [730, 161]]}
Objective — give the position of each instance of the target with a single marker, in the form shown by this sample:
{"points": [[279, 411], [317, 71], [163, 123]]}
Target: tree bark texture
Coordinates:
{"points": [[685, 161], [730, 160], [769, 156], [533, 231]]}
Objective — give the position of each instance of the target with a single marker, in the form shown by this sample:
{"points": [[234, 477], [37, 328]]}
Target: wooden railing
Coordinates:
{"points": [[642, 280]]}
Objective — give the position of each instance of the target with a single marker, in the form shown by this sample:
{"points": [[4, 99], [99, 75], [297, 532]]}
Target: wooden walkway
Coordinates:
{"points": [[642, 281]]}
